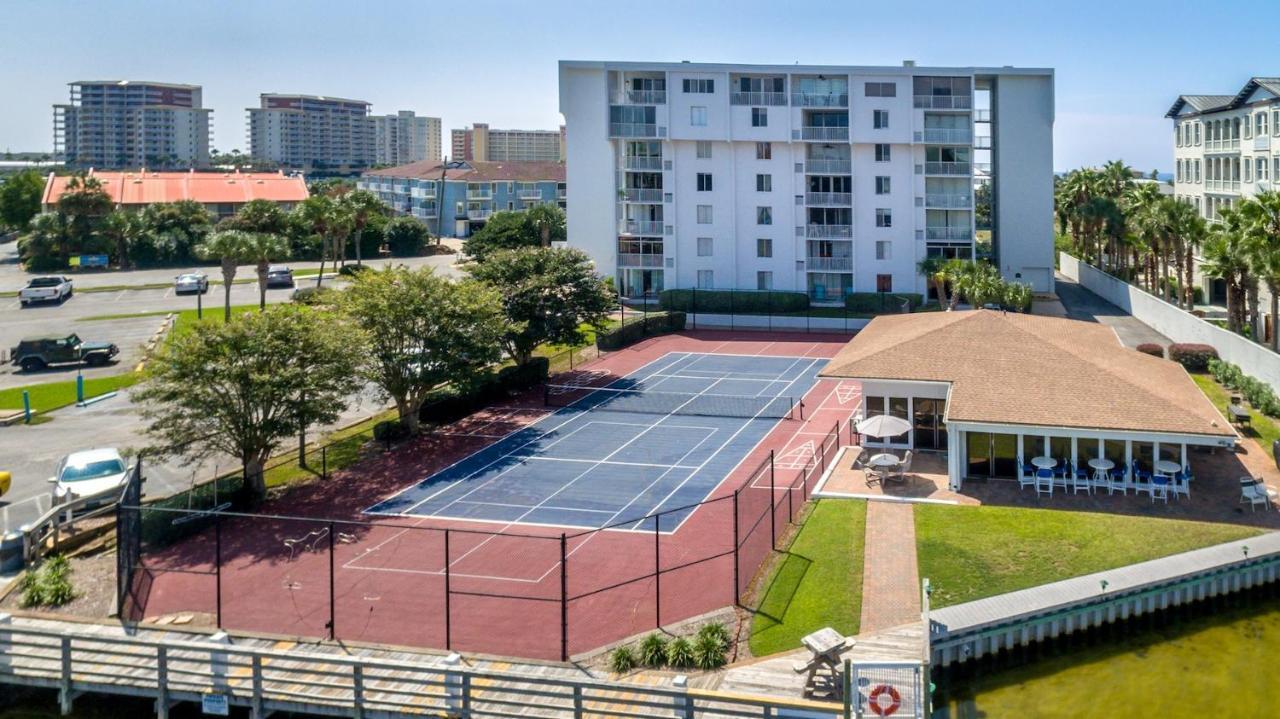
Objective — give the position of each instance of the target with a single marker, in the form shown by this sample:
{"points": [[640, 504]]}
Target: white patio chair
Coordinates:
{"points": [[1044, 482], [860, 464], [1159, 490], [1254, 493], [904, 467], [1079, 484], [1143, 488], [1026, 480], [1116, 483]]}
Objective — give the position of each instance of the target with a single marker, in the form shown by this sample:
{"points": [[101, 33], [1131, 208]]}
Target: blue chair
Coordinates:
{"points": [[1044, 482], [1027, 468], [1140, 473], [1062, 469], [1080, 472]]}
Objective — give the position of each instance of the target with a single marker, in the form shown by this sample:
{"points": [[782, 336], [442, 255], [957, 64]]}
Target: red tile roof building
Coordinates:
{"points": [[221, 192]]}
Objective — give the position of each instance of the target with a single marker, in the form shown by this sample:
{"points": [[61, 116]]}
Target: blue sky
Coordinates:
{"points": [[1119, 64]]}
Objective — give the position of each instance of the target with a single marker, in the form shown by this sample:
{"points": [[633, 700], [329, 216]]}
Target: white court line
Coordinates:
{"points": [[525, 506], [604, 462], [766, 347]]}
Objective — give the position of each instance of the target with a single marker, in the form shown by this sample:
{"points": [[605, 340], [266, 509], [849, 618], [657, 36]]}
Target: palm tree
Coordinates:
{"points": [[549, 221], [322, 216], [1226, 258], [124, 228], [1261, 215], [1191, 230], [261, 249], [934, 270], [362, 205], [230, 248], [83, 203]]}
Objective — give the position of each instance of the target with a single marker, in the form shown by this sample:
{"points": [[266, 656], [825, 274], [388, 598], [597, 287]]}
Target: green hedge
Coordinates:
{"points": [[731, 301], [635, 330], [1258, 393], [881, 301], [1194, 357], [451, 403]]}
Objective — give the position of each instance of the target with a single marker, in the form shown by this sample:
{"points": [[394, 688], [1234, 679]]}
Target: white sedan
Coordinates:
{"points": [[191, 282], [90, 472]]}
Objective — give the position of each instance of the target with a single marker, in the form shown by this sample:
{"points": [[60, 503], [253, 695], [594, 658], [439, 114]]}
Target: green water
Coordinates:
{"points": [[1215, 659]]}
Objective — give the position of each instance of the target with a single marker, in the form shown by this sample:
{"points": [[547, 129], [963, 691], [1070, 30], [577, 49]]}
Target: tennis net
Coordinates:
{"points": [[679, 403]]}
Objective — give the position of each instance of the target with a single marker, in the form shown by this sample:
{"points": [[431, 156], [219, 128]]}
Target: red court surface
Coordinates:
{"points": [[487, 587]]}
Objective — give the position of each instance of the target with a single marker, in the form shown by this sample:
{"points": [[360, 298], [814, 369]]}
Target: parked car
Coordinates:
{"points": [[279, 276], [89, 472], [45, 289], [191, 282], [35, 353]]}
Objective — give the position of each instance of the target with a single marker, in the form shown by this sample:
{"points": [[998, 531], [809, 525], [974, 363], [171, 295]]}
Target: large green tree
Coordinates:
{"points": [[362, 206], [245, 386], [406, 236], [262, 249], [423, 330], [1261, 216], [548, 294], [83, 204], [229, 248], [548, 221], [125, 229], [503, 231], [260, 216], [177, 228], [20, 199], [327, 219]]}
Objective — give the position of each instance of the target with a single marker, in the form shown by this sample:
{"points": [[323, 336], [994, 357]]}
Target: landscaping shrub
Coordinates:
{"points": [[708, 652], [350, 270], [639, 328], [735, 302], [1194, 357], [653, 650], [680, 653], [872, 302], [622, 660], [48, 585], [1151, 348], [448, 404], [717, 632], [1259, 394], [521, 377], [391, 430], [313, 295]]}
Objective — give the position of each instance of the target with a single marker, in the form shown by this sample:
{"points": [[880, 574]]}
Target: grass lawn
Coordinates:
{"points": [[1264, 429], [343, 450], [52, 395], [974, 552], [818, 583]]}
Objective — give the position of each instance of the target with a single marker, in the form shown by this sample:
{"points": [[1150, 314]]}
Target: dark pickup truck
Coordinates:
{"points": [[36, 353]]}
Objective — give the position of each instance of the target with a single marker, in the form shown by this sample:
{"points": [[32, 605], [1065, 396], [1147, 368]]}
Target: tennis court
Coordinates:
{"points": [[657, 440]]}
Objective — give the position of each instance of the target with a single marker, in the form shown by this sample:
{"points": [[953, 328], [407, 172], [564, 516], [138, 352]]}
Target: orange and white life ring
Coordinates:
{"points": [[884, 700]]}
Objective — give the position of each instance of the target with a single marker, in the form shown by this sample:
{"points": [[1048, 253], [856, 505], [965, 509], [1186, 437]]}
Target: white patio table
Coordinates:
{"points": [[883, 463], [1044, 462], [1101, 467]]}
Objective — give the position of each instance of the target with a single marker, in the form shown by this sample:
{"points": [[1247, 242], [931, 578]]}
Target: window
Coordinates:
{"points": [[882, 185], [1262, 168], [704, 182], [1177, 137], [764, 183], [882, 250], [764, 247], [704, 87], [882, 152], [1178, 171], [764, 280], [881, 89], [704, 149], [1197, 133], [884, 283], [698, 116], [1197, 170], [705, 248], [759, 117], [764, 151], [764, 215], [706, 279], [1275, 123], [1260, 128], [884, 217], [1248, 172], [704, 214], [880, 119]]}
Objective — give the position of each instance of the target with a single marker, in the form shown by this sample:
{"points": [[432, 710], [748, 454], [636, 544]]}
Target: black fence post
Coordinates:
{"points": [[791, 508], [693, 306], [732, 315], [657, 571], [448, 616], [773, 530], [737, 598], [564, 599], [324, 462], [333, 619], [217, 567]]}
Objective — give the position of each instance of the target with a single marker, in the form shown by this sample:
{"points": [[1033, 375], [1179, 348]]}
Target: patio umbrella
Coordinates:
{"points": [[883, 425]]}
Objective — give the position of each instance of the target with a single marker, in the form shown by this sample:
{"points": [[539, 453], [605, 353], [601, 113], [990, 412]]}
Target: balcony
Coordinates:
{"points": [[641, 195], [807, 99], [632, 129], [948, 201], [478, 214], [944, 102], [946, 168], [640, 227], [479, 194], [1231, 145], [828, 264], [562, 193], [948, 135], [636, 163], [640, 97], [828, 167], [636, 260], [828, 199], [948, 233], [1262, 142], [529, 194], [829, 231], [1222, 185], [758, 98], [824, 134]]}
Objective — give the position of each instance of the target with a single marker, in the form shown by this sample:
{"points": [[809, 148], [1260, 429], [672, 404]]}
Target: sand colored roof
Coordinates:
{"points": [[1031, 370], [145, 188], [474, 171]]}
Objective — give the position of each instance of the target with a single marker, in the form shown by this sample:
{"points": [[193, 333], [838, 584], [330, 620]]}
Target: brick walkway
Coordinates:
{"points": [[890, 577]]}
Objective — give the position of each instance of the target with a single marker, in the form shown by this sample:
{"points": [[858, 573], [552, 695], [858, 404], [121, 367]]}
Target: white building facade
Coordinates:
{"points": [[311, 132], [818, 179], [405, 137], [123, 124]]}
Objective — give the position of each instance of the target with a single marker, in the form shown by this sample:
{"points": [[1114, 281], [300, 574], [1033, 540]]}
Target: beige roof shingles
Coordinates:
{"points": [[1031, 370]]}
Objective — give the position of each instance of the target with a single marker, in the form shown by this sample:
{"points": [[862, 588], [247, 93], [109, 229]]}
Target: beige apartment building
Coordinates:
{"points": [[483, 144]]}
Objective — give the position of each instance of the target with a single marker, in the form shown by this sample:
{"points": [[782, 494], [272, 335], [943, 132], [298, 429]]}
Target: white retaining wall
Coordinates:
{"points": [[703, 320], [1173, 322]]}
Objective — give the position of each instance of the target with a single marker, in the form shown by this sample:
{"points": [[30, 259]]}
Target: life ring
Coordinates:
{"points": [[884, 700]]}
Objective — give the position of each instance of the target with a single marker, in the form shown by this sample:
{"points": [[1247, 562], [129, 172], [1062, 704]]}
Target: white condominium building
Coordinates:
{"points": [[309, 132], [821, 179], [122, 124], [484, 144], [404, 137]]}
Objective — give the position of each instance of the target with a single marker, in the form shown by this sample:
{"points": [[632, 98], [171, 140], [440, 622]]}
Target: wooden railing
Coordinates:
{"points": [[44, 534]]}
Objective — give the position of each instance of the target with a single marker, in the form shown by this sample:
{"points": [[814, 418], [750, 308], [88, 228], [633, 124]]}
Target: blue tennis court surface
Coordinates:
{"points": [[660, 438]]}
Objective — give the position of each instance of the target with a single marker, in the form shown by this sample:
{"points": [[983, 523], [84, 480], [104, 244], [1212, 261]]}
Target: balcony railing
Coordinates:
{"points": [[479, 194], [806, 99], [479, 214], [949, 201], [529, 194], [948, 233], [948, 135], [945, 102], [758, 98], [640, 97], [946, 168], [637, 260], [819, 264], [828, 199], [640, 227], [828, 167], [828, 231], [824, 133], [642, 195], [632, 129], [1230, 145], [1262, 142], [561, 194], [1222, 185], [641, 163]]}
